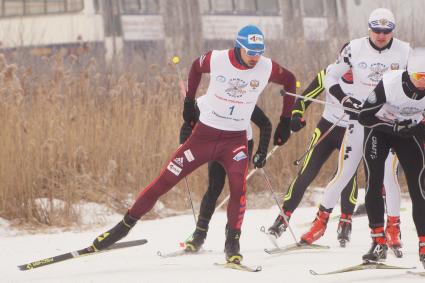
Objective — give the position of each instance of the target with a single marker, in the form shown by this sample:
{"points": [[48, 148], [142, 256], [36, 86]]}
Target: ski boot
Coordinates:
{"points": [[197, 240], [393, 235], [115, 234], [232, 247], [344, 229], [378, 250], [279, 226], [422, 250], [317, 229]]}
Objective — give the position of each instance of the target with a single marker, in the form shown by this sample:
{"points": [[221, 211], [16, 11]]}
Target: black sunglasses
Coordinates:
{"points": [[384, 31]]}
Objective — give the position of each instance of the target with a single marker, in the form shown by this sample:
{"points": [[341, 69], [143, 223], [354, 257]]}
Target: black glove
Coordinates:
{"points": [[282, 132], [189, 112], [259, 159], [185, 132], [297, 122], [407, 128], [352, 103]]}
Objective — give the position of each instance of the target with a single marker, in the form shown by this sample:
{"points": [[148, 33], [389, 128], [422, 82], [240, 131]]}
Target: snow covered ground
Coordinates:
{"points": [[141, 264]]}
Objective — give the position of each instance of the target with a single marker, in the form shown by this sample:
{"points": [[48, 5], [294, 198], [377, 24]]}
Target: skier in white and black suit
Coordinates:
{"points": [[393, 118], [369, 58]]}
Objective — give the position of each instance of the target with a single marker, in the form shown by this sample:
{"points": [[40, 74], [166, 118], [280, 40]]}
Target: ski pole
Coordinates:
{"points": [[176, 61], [319, 101], [249, 175], [269, 185], [310, 149]]}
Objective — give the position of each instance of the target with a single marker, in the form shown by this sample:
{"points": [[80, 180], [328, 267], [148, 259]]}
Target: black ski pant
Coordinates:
{"points": [[410, 153], [313, 161]]}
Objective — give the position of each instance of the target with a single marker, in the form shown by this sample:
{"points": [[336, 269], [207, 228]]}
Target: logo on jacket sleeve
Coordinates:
{"points": [[179, 161], [189, 155], [173, 168]]}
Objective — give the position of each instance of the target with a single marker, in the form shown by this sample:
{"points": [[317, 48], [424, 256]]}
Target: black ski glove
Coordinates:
{"points": [[282, 132], [297, 122], [408, 128], [259, 159], [352, 103], [189, 112], [185, 132]]}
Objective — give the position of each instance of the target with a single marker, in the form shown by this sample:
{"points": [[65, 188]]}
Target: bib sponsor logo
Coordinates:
{"points": [[254, 84], [237, 88], [240, 156], [221, 79], [173, 168], [189, 155], [179, 161], [395, 66], [409, 111], [362, 65], [377, 70]]}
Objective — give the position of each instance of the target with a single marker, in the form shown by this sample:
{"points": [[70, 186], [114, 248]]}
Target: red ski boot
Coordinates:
{"points": [[393, 235], [317, 229], [422, 249]]}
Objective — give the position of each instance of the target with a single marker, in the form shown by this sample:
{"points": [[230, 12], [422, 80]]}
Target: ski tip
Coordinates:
{"points": [[312, 272], [23, 267], [263, 229]]}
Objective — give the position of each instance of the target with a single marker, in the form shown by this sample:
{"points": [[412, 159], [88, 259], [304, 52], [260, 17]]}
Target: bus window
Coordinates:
{"points": [[34, 7], [313, 8], [13, 8], [268, 7], [74, 5], [239, 7], [221, 6], [150, 6], [55, 6], [140, 6], [245, 6], [131, 6]]}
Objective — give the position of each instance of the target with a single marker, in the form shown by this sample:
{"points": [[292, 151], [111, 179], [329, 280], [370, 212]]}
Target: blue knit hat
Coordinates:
{"points": [[251, 39]]}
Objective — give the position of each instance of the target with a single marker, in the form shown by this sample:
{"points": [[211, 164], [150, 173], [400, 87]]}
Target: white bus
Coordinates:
{"points": [[76, 26]]}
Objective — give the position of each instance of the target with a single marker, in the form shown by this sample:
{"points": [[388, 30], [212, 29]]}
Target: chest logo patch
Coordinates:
{"points": [[377, 70], [236, 87]]}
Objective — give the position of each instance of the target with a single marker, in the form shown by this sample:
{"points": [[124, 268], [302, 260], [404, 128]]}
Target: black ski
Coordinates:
{"points": [[240, 266], [181, 253], [79, 253], [295, 247], [362, 266]]}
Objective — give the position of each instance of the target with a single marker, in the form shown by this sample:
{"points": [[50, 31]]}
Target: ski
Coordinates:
{"points": [[239, 266], [181, 253], [79, 253], [296, 247], [420, 273], [362, 266]]}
